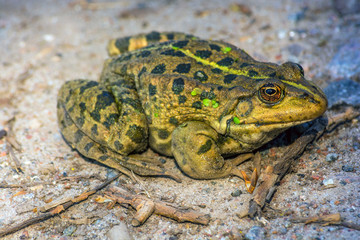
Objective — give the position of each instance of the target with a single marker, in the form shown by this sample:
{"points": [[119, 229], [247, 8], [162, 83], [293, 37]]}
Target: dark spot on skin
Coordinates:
{"points": [[183, 68], [215, 47], [281, 77], [204, 148], [88, 85], [142, 71], [216, 70], [145, 53], [136, 134], [80, 122], [103, 157], [152, 90], [220, 88], [78, 136], [122, 44], [71, 109], [124, 58], [163, 134], [135, 103], [203, 53], [110, 120], [172, 52], [229, 78], [103, 149], [89, 146], [253, 73], [178, 85], [95, 115], [173, 121], [153, 37], [118, 145], [82, 106], [182, 99], [201, 76], [272, 74], [159, 69], [208, 95], [170, 36], [244, 65], [104, 100], [197, 105], [94, 130], [226, 62], [181, 44], [144, 164]]}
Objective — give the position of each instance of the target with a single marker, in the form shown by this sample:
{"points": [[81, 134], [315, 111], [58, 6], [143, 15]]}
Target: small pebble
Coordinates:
{"points": [[49, 37], [69, 230], [331, 157], [328, 182], [282, 230], [347, 168], [342, 182], [111, 173], [255, 233], [119, 232], [236, 193]]}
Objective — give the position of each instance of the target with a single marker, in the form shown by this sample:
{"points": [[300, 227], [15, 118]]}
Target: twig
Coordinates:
{"points": [[145, 207], [330, 219], [58, 209], [14, 159], [348, 115]]}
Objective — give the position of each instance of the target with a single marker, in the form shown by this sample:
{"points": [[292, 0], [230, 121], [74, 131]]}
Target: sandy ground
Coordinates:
{"points": [[45, 43]]}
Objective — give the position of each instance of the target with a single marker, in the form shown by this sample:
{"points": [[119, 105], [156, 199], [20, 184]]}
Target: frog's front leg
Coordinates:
{"points": [[197, 150]]}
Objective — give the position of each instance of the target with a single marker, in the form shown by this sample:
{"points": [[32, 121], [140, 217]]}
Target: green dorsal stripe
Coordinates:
{"points": [[215, 65]]}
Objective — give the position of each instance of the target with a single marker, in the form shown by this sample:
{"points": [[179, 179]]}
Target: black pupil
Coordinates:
{"points": [[270, 91]]}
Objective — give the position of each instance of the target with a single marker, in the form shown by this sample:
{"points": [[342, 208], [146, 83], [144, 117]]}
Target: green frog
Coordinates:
{"points": [[199, 101]]}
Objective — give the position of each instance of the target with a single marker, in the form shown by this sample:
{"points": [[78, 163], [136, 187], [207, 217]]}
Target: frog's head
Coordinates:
{"points": [[273, 105]]}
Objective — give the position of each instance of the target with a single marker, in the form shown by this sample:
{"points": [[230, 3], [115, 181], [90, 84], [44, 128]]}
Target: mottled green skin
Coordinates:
{"points": [[196, 100]]}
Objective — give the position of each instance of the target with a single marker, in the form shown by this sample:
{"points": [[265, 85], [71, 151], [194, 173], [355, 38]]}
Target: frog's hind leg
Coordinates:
{"points": [[90, 121], [120, 45]]}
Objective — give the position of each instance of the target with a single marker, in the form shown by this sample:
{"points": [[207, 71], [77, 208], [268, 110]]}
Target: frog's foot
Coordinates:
{"points": [[194, 146]]}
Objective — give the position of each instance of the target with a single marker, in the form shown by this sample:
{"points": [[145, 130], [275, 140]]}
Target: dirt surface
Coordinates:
{"points": [[45, 43]]}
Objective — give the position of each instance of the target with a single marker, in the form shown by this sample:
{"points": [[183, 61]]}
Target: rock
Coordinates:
{"points": [[69, 230], [256, 233], [236, 193], [119, 232], [347, 168], [331, 157], [343, 92], [328, 182], [345, 7], [346, 61]]}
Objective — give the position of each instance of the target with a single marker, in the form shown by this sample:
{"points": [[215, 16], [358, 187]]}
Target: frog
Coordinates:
{"points": [[199, 101]]}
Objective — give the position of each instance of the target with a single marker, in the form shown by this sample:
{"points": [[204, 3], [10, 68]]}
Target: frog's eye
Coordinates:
{"points": [[270, 93]]}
